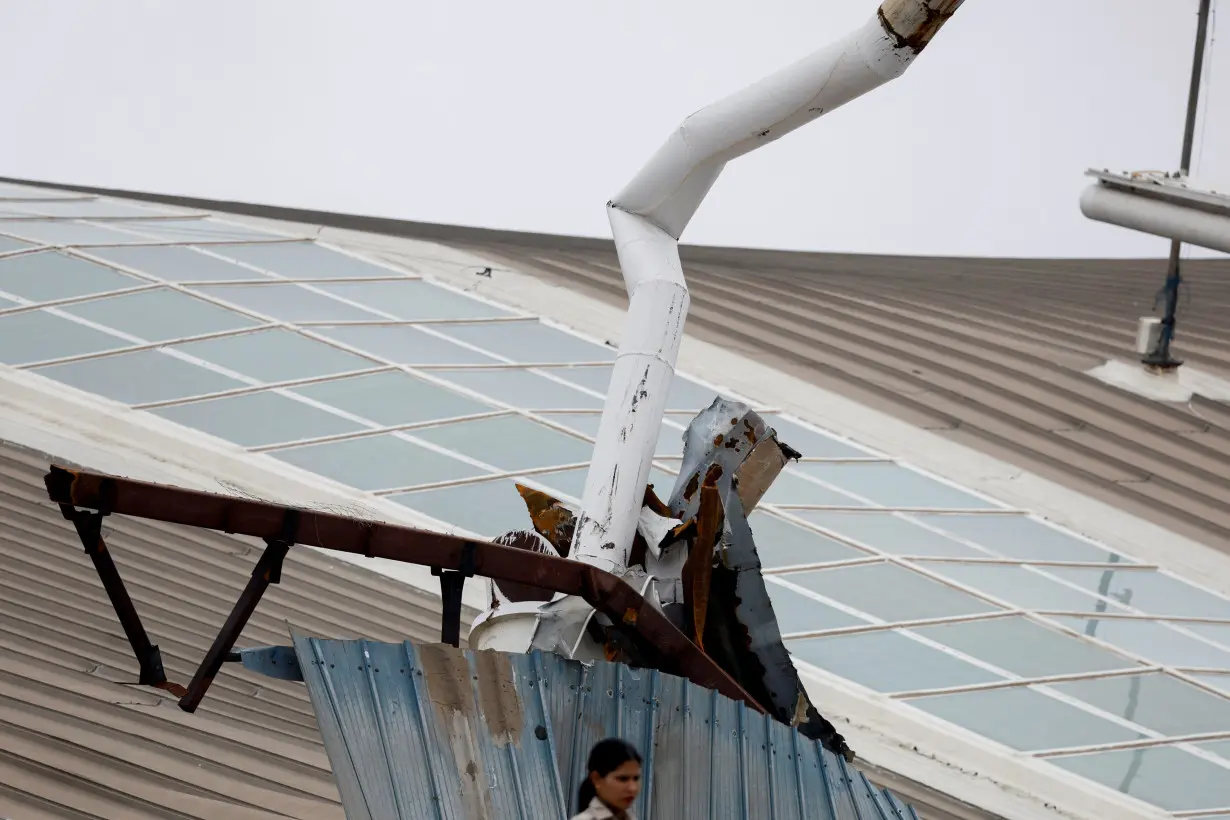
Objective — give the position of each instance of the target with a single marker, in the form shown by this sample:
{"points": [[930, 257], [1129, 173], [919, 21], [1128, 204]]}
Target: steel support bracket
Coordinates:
{"points": [[452, 583], [268, 570], [89, 529]]}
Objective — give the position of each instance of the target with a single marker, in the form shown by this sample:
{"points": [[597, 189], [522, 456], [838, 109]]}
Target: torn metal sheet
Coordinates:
{"points": [[429, 731], [730, 451]]}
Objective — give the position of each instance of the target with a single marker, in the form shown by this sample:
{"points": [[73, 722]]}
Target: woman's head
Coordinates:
{"points": [[613, 775]]}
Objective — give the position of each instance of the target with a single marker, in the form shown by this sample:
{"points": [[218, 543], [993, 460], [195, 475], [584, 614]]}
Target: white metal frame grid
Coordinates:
{"points": [[1134, 663]]}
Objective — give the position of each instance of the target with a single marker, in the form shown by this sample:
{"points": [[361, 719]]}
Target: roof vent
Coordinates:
{"points": [[1148, 334]]}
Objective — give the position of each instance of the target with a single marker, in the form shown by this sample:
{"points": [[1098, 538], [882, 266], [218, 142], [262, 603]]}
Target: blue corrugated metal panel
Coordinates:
{"points": [[435, 732]]}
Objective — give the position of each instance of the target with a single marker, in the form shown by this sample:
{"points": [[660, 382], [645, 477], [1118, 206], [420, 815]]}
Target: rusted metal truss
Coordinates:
{"points": [[86, 498]]}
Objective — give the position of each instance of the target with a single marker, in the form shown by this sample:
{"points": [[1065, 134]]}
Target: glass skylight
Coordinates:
{"points": [[381, 379]]}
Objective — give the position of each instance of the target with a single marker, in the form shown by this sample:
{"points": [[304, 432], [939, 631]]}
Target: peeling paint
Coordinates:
{"points": [[912, 24]]}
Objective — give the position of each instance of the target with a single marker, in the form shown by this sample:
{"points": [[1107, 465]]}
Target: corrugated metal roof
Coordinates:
{"points": [[77, 740], [991, 353], [428, 731]]}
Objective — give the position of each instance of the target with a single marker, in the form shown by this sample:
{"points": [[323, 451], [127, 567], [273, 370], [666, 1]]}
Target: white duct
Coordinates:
{"points": [[1171, 220], [649, 215]]}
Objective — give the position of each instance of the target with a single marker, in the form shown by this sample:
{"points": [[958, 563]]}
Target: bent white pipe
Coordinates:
{"points": [[1148, 215], [649, 215]]}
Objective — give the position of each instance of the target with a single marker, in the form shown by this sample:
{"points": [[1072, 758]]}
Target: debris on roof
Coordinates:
{"points": [[430, 731]]}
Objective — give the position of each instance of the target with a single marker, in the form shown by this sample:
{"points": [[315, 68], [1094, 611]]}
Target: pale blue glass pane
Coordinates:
{"points": [[890, 533], [889, 592], [187, 230], [1022, 587], [46, 276], [258, 418], [893, 485], [413, 299], [7, 244], [592, 378], [811, 443], [37, 336], [509, 443], [1025, 648], [1025, 719], [798, 613], [86, 208], [662, 482], [489, 509], [378, 462], [175, 264], [670, 439], [521, 388], [565, 482], [1148, 591], [529, 342], [791, 487], [1221, 748], [1018, 536], [290, 303], [303, 260], [63, 233], [1217, 681], [888, 662], [275, 355], [1214, 632], [781, 543], [686, 394], [1154, 640], [393, 398], [403, 345], [134, 378], [1155, 701], [1167, 777], [159, 315]]}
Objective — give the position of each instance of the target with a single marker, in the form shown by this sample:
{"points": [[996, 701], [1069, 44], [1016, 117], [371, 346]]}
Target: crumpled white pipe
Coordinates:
{"points": [[649, 215]]}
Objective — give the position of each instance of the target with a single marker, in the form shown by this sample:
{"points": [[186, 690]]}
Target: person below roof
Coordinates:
{"points": [[612, 781]]}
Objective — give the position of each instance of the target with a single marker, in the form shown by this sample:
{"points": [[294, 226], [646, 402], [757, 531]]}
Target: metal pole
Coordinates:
{"points": [[1160, 356]]}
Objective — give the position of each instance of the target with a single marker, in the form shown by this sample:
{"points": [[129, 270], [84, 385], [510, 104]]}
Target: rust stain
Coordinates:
{"points": [[630, 616], [698, 568], [717, 440], [692, 486], [655, 504], [447, 676], [497, 696], [913, 23], [550, 518]]}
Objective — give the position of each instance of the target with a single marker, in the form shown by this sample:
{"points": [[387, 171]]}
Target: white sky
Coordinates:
{"points": [[530, 115]]}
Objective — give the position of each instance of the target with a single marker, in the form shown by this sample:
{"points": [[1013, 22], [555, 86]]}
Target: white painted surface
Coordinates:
{"points": [[107, 437], [1177, 385], [1171, 220], [650, 213]]}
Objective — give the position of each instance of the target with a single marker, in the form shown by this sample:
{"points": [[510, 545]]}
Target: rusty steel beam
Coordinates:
{"points": [[607, 593]]}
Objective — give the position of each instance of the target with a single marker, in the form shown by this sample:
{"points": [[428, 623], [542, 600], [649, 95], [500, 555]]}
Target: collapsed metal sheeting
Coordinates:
{"points": [[730, 448], [436, 732], [693, 557]]}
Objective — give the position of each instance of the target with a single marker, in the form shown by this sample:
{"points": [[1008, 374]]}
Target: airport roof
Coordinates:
{"points": [[417, 377]]}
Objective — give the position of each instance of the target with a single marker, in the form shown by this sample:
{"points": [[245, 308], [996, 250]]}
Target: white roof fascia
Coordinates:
{"points": [[105, 436]]}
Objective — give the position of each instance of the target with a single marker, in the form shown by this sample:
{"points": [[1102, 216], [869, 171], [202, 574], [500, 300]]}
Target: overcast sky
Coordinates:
{"points": [[530, 115]]}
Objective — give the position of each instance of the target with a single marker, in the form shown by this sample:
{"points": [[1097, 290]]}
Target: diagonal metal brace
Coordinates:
{"points": [[89, 529], [268, 570], [452, 582]]}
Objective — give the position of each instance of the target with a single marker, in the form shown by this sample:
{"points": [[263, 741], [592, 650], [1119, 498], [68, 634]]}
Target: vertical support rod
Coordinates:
{"points": [[89, 529], [452, 584], [1160, 356], [268, 571]]}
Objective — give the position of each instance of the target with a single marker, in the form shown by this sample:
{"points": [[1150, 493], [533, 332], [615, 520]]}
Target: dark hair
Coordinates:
{"points": [[606, 756]]}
